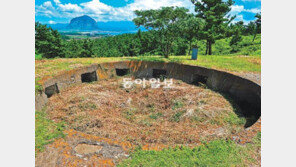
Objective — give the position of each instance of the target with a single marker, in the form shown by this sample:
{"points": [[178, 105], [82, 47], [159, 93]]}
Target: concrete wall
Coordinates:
{"points": [[245, 93]]}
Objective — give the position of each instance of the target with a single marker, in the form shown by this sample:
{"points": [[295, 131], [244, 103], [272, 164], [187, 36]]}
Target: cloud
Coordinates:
{"points": [[235, 9], [69, 8], [57, 1], [51, 22], [96, 7], [254, 10], [240, 18], [46, 9], [127, 12], [103, 12]]}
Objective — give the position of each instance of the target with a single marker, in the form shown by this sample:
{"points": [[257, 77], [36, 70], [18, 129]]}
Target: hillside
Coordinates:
{"points": [[83, 23]]}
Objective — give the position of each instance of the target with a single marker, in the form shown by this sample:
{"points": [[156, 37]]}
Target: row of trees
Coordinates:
{"points": [[171, 30], [211, 23]]}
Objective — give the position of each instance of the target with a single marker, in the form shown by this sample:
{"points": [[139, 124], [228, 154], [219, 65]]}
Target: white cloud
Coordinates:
{"points": [[69, 8], [96, 7], [47, 4], [102, 12], [51, 22], [235, 9], [57, 1], [127, 12], [46, 9], [254, 10]]}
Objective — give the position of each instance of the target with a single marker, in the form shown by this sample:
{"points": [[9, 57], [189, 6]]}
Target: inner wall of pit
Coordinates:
{"points": [[245, 93]]}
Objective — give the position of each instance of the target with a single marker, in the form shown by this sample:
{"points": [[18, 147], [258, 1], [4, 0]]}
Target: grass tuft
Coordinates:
{"points": [[215, 153], [46, 130]]}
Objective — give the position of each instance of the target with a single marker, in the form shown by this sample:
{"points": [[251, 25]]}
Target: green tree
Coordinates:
{"points": [[251, 28], [258, 25], [237, 30], [190, 28], [87, 48], [215, 14], [48, 42], [74, 49], [163, 23]]}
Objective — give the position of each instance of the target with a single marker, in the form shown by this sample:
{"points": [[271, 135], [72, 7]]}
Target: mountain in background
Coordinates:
{"points": [[86, 24], [83, 23]]}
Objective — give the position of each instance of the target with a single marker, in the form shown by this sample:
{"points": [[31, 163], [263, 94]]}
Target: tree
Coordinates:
{"points": [[237, 30], [251, 28], [214, 12], [48, 42], [191, 28], [163, 23], [258, 25], [74, 49], [87, 48]]}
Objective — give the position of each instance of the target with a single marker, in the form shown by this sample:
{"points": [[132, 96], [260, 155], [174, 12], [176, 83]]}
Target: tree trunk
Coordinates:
{"points": [[207, 47], [254, 36], [165, 52], [190, 48], [210, 48]]}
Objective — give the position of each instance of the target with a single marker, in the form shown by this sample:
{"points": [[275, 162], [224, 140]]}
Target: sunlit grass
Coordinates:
{"points": [[214, 153], [230, 63], [46, 130]]}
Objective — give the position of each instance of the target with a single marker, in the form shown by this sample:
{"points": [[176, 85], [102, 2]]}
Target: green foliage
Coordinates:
{"points": [[163, 22], [155, 115], [46, 130], [257, 140], [236, 38], [38, 56], [215, 15], [222, 62], [48, 42], [190, 30], [177, 116], [38, 86], [258, 23], [177, 104], [242, 45], [233, 119], [147, 43], [215, 153]]}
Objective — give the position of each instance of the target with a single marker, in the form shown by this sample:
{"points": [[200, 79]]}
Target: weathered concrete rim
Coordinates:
{"points": [[246, 93]]}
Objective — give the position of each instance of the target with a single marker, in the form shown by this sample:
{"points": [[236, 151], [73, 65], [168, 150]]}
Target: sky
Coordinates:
{"points": [[62, 11]]}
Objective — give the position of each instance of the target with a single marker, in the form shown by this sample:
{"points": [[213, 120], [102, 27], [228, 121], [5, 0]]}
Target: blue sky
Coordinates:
{"points": [[62, 11]]}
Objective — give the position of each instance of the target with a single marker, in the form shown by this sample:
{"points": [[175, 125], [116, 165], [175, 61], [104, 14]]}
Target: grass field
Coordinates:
{"points": [[215, 153], [230, 63]]}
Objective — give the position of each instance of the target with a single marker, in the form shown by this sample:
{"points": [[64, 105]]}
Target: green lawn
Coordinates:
{"points": [[215, 153], [230, 63]]}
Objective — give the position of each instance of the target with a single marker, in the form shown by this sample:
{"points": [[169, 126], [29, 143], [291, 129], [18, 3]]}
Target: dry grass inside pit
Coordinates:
{"points": [[184, 114]]}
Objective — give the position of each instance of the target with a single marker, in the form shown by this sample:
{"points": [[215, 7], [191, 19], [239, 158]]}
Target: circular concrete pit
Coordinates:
{"points": [[243, 92], [204, 104]]}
